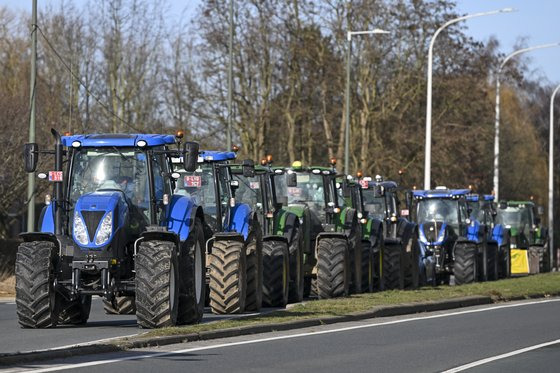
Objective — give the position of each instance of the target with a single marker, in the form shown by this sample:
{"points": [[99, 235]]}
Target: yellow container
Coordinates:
{"points": [[519, 262]]}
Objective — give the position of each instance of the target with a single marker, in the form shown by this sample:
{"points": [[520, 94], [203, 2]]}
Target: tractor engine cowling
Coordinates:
{"points": [[96, 219]]}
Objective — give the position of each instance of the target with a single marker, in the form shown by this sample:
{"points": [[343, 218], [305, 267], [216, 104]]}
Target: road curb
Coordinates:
{"points": [[141, 342]]}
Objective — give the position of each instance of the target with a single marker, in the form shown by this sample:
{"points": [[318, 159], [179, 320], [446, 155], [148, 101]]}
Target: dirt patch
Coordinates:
{"points": [[8, 287]]}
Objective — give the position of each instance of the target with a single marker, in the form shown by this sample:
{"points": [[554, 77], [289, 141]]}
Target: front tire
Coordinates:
{"points": [[390, 266], [36, 300], [228, 281], [367, 267], [276, 274], [193, 278], [333, 272], [157, 284], [254, 270], [296, 288], [465, 268]]}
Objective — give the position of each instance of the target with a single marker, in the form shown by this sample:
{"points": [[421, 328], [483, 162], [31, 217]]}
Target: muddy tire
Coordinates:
{"points": [[120, 306], [192, 270], [333, 272], [275, 273], [157, 284], [465, 268], [36, 299], [228, 277]]}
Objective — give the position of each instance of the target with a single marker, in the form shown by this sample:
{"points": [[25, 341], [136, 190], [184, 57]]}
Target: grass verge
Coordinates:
{"points": [[541, 285]]}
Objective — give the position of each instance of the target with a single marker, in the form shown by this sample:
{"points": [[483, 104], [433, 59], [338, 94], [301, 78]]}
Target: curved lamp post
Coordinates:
{"points": [[428, 155], [497, 123], [551, 178]]}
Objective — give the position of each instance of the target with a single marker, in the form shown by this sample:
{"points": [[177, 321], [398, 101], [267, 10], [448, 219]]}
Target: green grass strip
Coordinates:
{"points": [[541, 285]]}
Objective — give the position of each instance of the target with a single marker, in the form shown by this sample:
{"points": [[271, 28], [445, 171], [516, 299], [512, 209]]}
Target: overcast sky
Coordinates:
{"points": [[535, 20]]}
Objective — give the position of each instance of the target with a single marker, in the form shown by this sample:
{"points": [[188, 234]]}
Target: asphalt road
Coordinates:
{"points": [[99, 326], [432, 342]]}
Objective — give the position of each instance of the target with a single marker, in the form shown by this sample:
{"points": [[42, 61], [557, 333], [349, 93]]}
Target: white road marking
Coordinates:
{"points": [[499, 357], [277, 338]]}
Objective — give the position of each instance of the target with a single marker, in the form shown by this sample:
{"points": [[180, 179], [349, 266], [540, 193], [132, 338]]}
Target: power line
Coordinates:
{"points": [[89, 92]]}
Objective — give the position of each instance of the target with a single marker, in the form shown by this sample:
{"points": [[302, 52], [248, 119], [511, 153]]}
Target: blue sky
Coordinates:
{"points": [[535, 20]]}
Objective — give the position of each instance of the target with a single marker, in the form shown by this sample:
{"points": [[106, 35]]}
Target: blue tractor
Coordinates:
{"points": [[496, 258], [450, 241], [232, 232], [113, 229]]}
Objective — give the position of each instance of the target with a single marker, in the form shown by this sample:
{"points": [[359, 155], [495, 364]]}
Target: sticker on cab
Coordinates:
{"points": [[193, 181], [364, 184], [55, 176], [254, 185]]}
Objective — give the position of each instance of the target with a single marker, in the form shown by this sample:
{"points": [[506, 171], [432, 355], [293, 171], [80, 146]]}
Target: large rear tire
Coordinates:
{"points": [[504, 265], [157, 284], [355, 250], [254, 270], [333, 272], [275, 273], [228, 280], [193, 278], [297, 291], [367, 267], [391, 266], [75, 312], [120, 306], [492, 262], [465, 268], [36, 299], [409, 260]]}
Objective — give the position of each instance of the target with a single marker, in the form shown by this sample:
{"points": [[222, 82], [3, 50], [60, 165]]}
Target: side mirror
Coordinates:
{"points": [[190, 155], [248, 168], [346, 190], [30, 156], [503, 205], [537, 221], [291, 179], [281, 201], [540, 210]]}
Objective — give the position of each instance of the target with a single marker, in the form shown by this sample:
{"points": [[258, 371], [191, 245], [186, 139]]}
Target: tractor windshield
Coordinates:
{"points": [[374, 204], [440, 210], [249, 191], [200, 186], [476, 212], [515, 217], [310, 191], [107, 169]]}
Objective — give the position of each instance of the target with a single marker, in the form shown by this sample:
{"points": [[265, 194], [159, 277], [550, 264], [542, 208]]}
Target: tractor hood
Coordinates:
{"points": [[432, 233], [96, 217]]}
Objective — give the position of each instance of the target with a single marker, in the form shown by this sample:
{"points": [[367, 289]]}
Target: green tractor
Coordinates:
{"points": [[350, 194], [398, 254], [528, 240], [282, 240], [331, 232]]}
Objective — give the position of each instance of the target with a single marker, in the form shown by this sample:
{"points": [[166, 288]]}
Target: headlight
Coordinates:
{"points": [[80, 231], [105, 230]]}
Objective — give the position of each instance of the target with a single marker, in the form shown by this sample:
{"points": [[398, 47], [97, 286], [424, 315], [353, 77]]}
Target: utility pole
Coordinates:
{"points": [[230, 78], [31, 176]]}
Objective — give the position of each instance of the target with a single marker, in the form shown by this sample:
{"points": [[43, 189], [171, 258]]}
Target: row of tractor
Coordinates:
{"points": [[160, 229]]}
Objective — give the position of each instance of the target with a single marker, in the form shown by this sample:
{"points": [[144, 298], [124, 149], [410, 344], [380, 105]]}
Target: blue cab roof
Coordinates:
{"points": [[117, 139], [215, 156], [440, 193]]}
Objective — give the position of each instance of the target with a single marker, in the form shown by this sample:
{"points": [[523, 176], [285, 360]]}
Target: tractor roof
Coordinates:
{"points": [[215, 156], [440, 193], [385, 184], [477, 197], [117, 139], [519, 203], [308, 169]]}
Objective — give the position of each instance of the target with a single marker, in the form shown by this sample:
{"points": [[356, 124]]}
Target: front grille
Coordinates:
{"points": [[92, 219], [431, 231]]}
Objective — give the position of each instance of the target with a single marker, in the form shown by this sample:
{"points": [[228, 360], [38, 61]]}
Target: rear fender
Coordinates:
{"points": [[42, 236], [241, 220], [180, 214]]}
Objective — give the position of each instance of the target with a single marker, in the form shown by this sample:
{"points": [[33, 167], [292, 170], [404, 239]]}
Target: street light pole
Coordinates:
{"points": [[428, 148], [348, 64], [497, 121], [551, 178], [230, 79], [31, 176]]}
